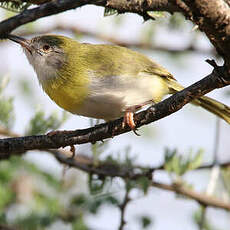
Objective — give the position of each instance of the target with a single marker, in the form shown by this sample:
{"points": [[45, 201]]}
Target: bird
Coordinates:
{"points": [[102, 81]]}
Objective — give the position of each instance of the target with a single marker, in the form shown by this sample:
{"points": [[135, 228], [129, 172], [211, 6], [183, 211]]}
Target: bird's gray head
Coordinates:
{"points": [[45, 53]]}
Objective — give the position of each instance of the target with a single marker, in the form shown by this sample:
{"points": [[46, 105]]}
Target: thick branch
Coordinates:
{"points": [[47, 9], [63, 156], [37, 2], [212, 17], [58, 6], [111, 129]]}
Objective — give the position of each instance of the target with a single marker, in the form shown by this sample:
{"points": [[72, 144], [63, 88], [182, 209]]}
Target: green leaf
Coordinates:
{"points": [[40, 124], [145, 221], [197, 160], [79, 200], [156, 14], [144, 183], [7, 117], [109, 12], [15, 6], [178, 164], [4, 82], [79, 224], [6, 195]]}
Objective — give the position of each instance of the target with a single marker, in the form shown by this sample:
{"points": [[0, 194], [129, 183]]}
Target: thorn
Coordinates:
{"points": [[136, 133], [196, 27], [212, 63]]}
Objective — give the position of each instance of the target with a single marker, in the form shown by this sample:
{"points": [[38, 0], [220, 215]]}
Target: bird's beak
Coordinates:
{"points": [[22, 41]]}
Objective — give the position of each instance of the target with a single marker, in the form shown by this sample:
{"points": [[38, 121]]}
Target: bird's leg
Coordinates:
{"points": [[129, 112], [73, 151]]}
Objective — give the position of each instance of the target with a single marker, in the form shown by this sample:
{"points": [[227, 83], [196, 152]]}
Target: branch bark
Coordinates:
{"points": [[213, 18], [217, 79], [57, 6]]}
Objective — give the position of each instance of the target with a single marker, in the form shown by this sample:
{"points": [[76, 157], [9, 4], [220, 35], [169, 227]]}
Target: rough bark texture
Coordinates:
{"points": [[217, 79], [213, 18]]}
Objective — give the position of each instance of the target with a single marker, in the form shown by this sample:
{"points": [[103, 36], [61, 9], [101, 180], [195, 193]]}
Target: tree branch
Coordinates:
{"points": [[114, 170], [123, 207], [217, 79], [212, 17], [127, 173], [57, 6], [200, 198], [131, 173], [44, 10], [63, 156]]}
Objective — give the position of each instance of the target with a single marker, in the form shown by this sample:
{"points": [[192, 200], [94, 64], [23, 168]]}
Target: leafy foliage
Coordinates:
{"points": [[205, 223], [15, 5], [6, 105], [146, 221], [175, 163], [40, 124], [109, 11]]}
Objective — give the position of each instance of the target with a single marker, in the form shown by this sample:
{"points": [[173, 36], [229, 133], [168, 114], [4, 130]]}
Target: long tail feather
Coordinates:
{"points": [[211, 105]]}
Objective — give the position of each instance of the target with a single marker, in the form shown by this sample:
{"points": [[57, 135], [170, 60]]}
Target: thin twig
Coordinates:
{"points": [[200, 198], [123, 207], [215, 171], [111, 170], [201, 223]]}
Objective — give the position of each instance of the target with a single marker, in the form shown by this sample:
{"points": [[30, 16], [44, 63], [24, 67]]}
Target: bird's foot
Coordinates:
{"points": [[129, 116], [128, 120]]}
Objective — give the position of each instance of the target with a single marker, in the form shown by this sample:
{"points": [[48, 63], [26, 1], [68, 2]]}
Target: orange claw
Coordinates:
{"points": [[128, 119]]}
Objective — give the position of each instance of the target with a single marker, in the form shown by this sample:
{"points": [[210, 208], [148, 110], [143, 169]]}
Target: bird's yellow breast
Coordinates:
{"points": [[69, 94]]}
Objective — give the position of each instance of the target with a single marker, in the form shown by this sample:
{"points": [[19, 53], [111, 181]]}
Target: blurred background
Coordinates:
{"points": [[37, 192]]}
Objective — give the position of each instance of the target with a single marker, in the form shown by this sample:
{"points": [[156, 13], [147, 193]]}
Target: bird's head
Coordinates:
{"points": [[47, 53]]}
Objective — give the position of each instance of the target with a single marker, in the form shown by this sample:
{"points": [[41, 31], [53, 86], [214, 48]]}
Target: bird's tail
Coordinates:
{"points": [[211, 105]]}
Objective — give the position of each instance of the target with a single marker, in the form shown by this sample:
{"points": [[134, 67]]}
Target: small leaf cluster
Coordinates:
{"points": [[40, 124], [7, 116], [16, 6], [19, 189], [176, 163]]}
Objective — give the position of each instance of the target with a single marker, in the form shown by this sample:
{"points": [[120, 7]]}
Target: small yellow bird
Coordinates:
{"points": [[102, 81]]}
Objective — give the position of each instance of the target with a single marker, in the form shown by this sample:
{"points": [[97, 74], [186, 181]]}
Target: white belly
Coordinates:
{"points": [[111, 96]]}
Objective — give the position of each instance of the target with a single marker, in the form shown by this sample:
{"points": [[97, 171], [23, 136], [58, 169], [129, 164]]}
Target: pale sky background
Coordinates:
{"points": [[191, 127]]}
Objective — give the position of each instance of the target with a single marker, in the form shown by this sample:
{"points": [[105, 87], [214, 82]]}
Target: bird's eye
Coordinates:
{"points": [[46, 47]]}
